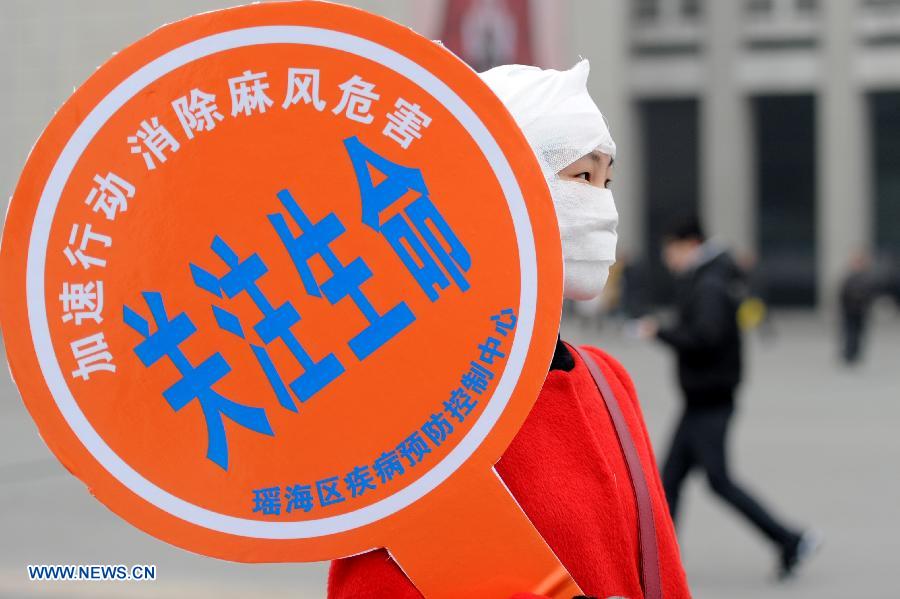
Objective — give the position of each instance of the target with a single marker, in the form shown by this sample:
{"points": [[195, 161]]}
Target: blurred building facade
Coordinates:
{"points": [[778, 121], [790, 111]]}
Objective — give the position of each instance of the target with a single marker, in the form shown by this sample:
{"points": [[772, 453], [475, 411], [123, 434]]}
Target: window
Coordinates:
{"points": [[884, 119], [646, 10], [758, 7], [883, 4], [691, 9], [786, 197], [670, 133]]}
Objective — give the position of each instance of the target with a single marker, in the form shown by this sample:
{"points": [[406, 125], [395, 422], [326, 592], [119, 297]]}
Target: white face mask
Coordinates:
{"points": [[587, 219]]}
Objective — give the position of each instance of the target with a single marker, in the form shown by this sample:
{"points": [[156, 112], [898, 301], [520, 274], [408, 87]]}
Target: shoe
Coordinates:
{"points": [[799, 552]]}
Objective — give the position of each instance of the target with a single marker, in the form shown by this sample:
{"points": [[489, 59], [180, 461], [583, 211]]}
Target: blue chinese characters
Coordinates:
{"points": [[421, 215], [196, 382], [423, 242], [411, 451]]}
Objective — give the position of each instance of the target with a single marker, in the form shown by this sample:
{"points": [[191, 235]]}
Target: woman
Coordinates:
{"points": [[565, 466]]}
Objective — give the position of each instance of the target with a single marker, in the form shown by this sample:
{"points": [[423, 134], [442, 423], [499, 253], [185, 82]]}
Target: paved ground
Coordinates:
{"points": [[819, 443], [820, 446]]}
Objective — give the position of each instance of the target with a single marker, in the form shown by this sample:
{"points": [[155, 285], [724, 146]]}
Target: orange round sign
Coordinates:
{"points": [[275, 274]]}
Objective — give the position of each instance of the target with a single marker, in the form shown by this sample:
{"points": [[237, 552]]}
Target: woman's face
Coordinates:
{"points": [[594, 169]]}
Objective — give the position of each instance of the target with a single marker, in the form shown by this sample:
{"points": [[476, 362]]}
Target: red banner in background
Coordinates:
{"points": [[487, 33]]}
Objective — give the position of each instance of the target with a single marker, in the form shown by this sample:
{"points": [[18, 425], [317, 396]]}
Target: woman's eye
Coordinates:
{"points": [[585, 175]]}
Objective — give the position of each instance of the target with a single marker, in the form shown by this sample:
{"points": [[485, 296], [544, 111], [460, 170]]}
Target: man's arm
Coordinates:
{"points": [[708, 322]]}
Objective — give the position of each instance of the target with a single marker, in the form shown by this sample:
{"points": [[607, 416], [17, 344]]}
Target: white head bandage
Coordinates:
{"points": [[562, 123], [554, 110]]}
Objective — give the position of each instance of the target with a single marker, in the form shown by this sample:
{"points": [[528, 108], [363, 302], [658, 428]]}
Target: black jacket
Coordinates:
{"points": [[706, 336], [857, 293]]}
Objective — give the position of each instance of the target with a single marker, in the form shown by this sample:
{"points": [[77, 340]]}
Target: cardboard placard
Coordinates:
{"points": [[281, 283]]}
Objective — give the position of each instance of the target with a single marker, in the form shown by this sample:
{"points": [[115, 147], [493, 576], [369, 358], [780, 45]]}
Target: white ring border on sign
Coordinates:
{"points": [[37, 310]]}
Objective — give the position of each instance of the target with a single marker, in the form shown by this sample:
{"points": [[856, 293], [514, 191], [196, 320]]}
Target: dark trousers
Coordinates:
{"points": [[854, 328], [699, 441]]}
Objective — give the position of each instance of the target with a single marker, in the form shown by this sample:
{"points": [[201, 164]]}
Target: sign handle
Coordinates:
{"points": [[483, 545]]}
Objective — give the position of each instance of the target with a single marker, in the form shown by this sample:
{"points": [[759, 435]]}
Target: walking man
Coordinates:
{"points": [[857, 293], [707, 341]]}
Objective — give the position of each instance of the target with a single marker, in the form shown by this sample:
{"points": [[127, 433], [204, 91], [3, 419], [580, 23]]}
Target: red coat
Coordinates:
{"points": [[566, 470]]}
